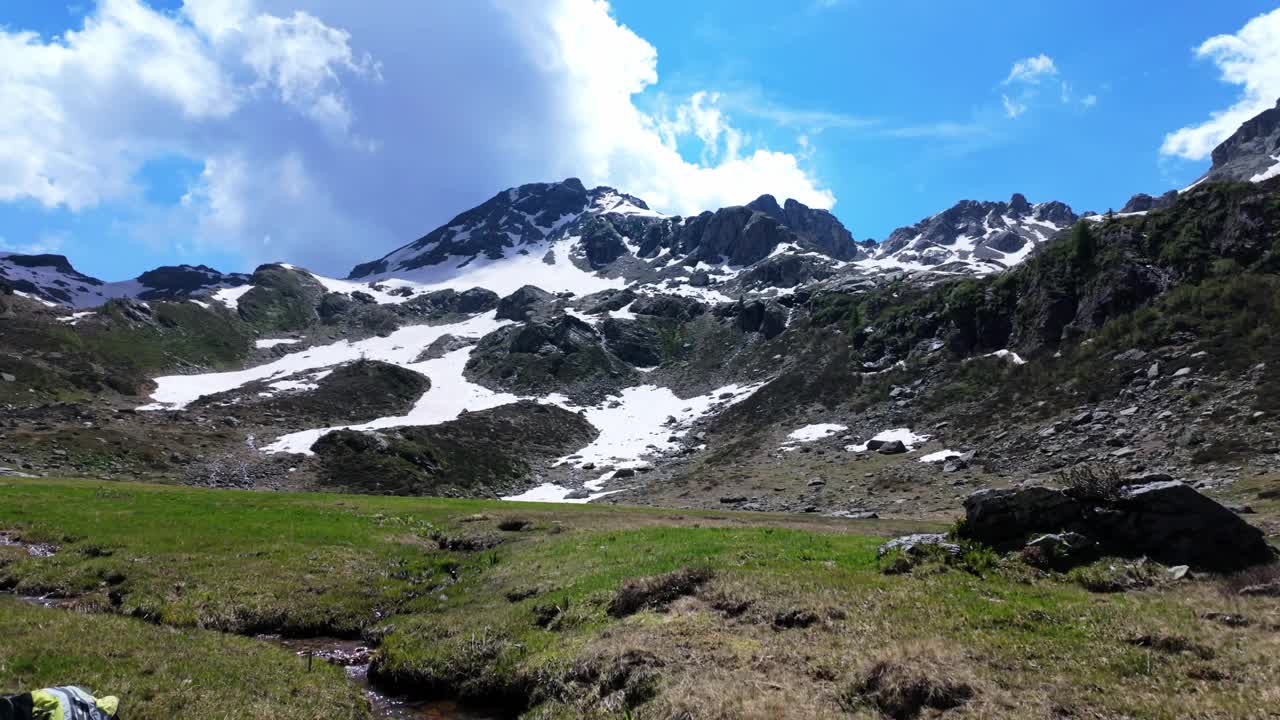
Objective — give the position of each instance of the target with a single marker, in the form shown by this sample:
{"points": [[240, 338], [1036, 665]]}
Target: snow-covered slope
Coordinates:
{"points": [[563, 237], [973, 236], [53, 279]]}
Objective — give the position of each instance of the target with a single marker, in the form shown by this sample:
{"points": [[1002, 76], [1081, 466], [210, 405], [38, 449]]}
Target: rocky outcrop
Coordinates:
{"points": [[563, 354], [441, 303], [633, 341], [351, 393], [282, 298], [1251, 154], [1143, 202], [819, 227], [524, 303], [1166, 521], [672, 307], [487, 453]]}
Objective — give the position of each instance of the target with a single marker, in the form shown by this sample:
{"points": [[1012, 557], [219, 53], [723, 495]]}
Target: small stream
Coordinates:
{"points": [[351, 655]]}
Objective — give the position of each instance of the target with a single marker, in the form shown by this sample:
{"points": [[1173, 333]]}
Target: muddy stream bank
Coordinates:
{"points": [[352, 656]]}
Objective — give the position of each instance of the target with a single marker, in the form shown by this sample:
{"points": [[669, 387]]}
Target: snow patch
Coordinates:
{"points": [[642, 420], [908, 438], [399, 348], [231, 296], [270, 343], [810, 433], [940, 456], [1269, 173], [1010, 355]]}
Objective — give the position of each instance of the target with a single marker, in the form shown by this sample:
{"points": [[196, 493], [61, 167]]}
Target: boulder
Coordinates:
{"points": [[918, 543], [1058, 550], [521, 304], [1167, 521], [892, 447], [1174, 524], [999, 517]]}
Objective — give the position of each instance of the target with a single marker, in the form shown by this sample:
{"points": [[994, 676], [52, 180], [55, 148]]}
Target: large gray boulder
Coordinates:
{"points": [[1173, 523], [1002, 517], [1167, 521]]}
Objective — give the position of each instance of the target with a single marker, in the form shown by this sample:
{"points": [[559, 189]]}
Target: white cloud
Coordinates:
{"points": [[332, 131], [46, 243], [1089, 100], [1012, 108], [1032, 69], [1249, 58]]}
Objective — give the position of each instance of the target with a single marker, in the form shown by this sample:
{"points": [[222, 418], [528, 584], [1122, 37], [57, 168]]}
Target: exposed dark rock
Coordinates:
{"points": [[564, 354], [524, 303], [1143, 202], [1167, 521], [447, 302], [674, 307], [486, 452], [632, 340]]}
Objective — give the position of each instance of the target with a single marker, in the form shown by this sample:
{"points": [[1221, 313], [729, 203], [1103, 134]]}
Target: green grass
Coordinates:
{"points": [[161, 673], [525, 623]]}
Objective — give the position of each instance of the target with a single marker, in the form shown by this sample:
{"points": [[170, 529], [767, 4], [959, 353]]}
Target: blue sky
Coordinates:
{"points": [[232, 132]]}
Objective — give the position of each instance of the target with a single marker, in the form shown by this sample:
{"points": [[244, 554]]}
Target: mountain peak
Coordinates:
{"points": [[1252, 153]]}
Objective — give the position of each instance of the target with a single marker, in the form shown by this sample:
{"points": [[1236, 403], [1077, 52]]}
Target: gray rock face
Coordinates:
{"points": [[523, 303], [763, 316], [674, 307], [1172, 523], [1250, 151], [1143, 202], [1167, 521], [633, 341], [445, 302], [786, 271], [817, 226], [999, 517]]}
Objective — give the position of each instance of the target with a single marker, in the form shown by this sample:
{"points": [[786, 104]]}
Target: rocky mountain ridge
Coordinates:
{"points": [[52, 279], [742, 357]]}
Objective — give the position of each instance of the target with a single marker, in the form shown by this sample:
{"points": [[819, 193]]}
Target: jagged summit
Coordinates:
{"points": [[981, 236], [582, 240]]}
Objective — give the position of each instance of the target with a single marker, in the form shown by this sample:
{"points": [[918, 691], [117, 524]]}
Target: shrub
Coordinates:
{"points": [[1092, 482]]}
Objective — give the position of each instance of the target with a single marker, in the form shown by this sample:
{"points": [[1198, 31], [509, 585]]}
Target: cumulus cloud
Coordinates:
{"points": [[1249, 58], [1032, 69], [330, 132]]}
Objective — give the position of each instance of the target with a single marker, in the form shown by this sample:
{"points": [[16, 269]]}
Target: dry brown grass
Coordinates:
{"points": [[906, 681], [1252, 577], [657, 592]]}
